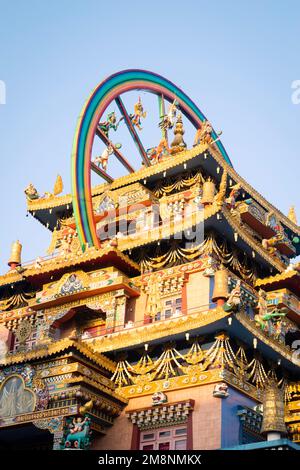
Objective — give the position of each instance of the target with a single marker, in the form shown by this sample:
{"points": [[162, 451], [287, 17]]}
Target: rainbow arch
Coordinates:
{"points": [[93, 109]]}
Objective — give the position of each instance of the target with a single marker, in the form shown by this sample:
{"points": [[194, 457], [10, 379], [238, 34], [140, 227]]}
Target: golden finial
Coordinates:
{"points": [[58, 186], [178, 144], [86, 408], [292, 215], [15, 255]]}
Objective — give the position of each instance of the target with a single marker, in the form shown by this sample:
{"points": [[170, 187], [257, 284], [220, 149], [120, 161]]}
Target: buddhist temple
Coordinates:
{"points": [[165, 314]]}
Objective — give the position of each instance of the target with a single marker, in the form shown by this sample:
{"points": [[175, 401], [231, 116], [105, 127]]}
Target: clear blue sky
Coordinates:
{"points": [[236, 59]]}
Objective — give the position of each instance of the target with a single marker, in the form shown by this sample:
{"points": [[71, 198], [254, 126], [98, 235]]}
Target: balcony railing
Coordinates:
{"points": [[146, 321]]}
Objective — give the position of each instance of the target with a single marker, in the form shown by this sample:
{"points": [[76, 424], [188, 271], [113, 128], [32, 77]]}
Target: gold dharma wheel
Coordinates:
{"points": [[23, 331]]}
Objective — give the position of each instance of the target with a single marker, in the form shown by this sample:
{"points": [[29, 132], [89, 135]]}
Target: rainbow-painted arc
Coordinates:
{"points": [[92, 111]]}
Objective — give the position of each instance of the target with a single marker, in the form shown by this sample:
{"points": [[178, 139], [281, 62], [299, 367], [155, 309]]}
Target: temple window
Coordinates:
{"points": [[171, 308], [29, 343], [170, 438]]}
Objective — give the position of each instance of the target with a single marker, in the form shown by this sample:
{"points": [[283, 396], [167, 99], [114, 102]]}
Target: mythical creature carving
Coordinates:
{"points": [[77, 433], [31, 192]]}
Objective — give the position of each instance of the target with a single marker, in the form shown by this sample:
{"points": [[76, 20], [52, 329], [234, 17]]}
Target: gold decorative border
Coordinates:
{"points": [[187, 381], [94, 384]]}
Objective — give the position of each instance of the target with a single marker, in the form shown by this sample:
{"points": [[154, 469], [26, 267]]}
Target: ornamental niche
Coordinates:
{"points": [[21, 392]]}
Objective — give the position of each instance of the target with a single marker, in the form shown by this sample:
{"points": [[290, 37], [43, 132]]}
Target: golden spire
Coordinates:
{"points": [[292, 215], [178, 144]]}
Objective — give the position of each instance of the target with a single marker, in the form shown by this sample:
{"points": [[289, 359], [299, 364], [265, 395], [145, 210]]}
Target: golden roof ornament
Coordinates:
{"points": [[15, 254], [58, 186], [86, 408], [292, 215], [178, 144], [31, 192], [273, 424]]}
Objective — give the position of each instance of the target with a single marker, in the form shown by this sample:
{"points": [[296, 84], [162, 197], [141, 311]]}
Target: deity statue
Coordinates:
{"points": [[162, 150], [138, 114], [77, 424], [77, 434], [203, 134], [31, 192], [168, 120], [103, 159], [233, 195], [262, 305], [110, 123], [270, 321], [154, 304], [234, 299], [156, 154]]}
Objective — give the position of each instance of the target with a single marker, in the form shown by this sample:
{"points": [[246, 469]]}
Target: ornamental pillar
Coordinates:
{"points": [[120, 310], [55, 426]]}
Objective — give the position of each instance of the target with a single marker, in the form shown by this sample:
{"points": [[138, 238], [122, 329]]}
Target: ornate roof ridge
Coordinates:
{"points": [[253, 192], [57, 347], [287, 274], [54, 264], [243, 234], [54, 201], [152, 331], [280, 348]]}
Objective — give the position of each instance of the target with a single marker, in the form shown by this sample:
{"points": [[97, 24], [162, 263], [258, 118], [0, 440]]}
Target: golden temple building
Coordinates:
{"points": [[165, 314]]}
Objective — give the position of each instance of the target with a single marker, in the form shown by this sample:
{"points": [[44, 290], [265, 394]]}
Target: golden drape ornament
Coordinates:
{"points": [[187, 180], [177, 255], [172, 363]]}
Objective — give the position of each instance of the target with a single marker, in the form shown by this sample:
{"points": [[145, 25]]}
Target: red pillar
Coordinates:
{"points": [[135, 438]]}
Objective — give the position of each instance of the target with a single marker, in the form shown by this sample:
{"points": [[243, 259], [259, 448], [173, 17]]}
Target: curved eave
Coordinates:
{"points": [[288, 279], [270, 348], [173, 329], [59, 347], [295, 229], [252, 244], [101, 258], [202, 324]]}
